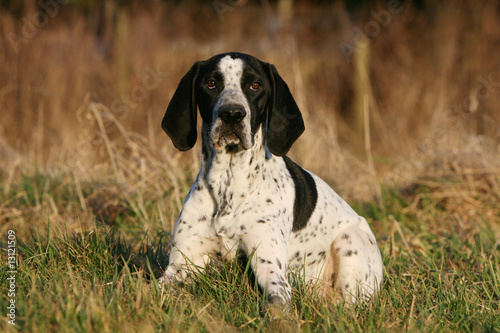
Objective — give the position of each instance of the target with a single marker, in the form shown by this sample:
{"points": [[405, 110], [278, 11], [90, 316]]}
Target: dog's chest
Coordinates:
{"points": [[245, 191], [229, 181]]}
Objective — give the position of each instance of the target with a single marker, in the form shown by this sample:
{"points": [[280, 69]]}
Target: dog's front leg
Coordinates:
{"points": [[194, 239], [268, 251]]}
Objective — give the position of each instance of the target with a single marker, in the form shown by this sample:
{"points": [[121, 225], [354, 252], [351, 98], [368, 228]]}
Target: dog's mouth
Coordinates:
{"points": [[230, 140]]}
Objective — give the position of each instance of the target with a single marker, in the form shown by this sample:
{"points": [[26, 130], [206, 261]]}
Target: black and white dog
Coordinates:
{"points": [[249, 196]]}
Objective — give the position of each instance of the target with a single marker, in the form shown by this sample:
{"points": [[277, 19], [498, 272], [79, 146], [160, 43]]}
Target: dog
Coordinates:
{"points": [[248, 196]]}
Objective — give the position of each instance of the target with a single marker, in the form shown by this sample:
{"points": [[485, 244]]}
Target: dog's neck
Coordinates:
{"points": [[231, 176]]}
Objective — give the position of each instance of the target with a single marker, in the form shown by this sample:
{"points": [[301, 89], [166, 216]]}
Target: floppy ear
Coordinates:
{"points": [[284, 120], [179, 121]]}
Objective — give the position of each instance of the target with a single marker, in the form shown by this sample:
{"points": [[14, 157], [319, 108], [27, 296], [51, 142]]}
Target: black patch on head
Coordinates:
{"points": [[272, 104], [306, 194]]}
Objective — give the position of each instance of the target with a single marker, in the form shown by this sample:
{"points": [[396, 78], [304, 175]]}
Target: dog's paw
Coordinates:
{"points": [[278, 306], [165, 281], [161, 283]]}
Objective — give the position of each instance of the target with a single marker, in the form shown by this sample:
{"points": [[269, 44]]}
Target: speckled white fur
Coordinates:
{"points": [[245, 200]]}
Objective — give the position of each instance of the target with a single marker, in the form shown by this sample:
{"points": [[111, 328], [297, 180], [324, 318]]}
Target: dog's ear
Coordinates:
{"points": [[179, 121], [284, 120]]}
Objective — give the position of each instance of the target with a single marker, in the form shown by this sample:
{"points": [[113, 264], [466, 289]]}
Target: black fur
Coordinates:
{"points": [[284, 123], [179, 121], [306, 194]]}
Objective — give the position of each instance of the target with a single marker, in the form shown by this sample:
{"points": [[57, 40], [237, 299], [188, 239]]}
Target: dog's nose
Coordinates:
{"points": [[232, 114]]}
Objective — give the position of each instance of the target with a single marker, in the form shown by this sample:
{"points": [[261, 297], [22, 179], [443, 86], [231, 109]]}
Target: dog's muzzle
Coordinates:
{"points": [[231, 129]]}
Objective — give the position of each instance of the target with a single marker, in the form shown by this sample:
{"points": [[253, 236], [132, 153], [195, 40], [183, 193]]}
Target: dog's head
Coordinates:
{"points": [[236, 94]]}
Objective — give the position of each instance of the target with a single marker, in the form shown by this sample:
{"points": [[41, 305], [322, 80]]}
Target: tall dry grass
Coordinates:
{"points": [[84, 96]]}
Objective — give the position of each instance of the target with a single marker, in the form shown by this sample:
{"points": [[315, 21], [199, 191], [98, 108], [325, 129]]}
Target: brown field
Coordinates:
{"points": [[83, 94], [82, 97]]}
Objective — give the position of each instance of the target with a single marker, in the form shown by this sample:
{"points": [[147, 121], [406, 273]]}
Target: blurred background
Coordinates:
{"points": [[394, 93]]}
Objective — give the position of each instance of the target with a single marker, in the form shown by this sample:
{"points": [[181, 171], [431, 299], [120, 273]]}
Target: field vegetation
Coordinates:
{"points": [[401, 102]]}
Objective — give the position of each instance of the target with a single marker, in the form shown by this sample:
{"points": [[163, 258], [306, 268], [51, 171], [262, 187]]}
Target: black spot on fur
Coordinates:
{"points": [[246, 210], [348, 253], [306, 194], [278, 262]]}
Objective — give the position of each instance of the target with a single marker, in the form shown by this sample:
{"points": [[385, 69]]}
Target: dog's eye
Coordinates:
{"points": [[211, 84], [255, 86]]}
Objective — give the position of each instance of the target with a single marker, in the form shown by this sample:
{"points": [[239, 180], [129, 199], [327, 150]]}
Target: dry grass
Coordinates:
{"points": [[81, 145]]}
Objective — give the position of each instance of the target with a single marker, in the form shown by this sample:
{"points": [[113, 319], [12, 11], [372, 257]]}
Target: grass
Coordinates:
{"points": [[437, 278], [91, 186]]}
